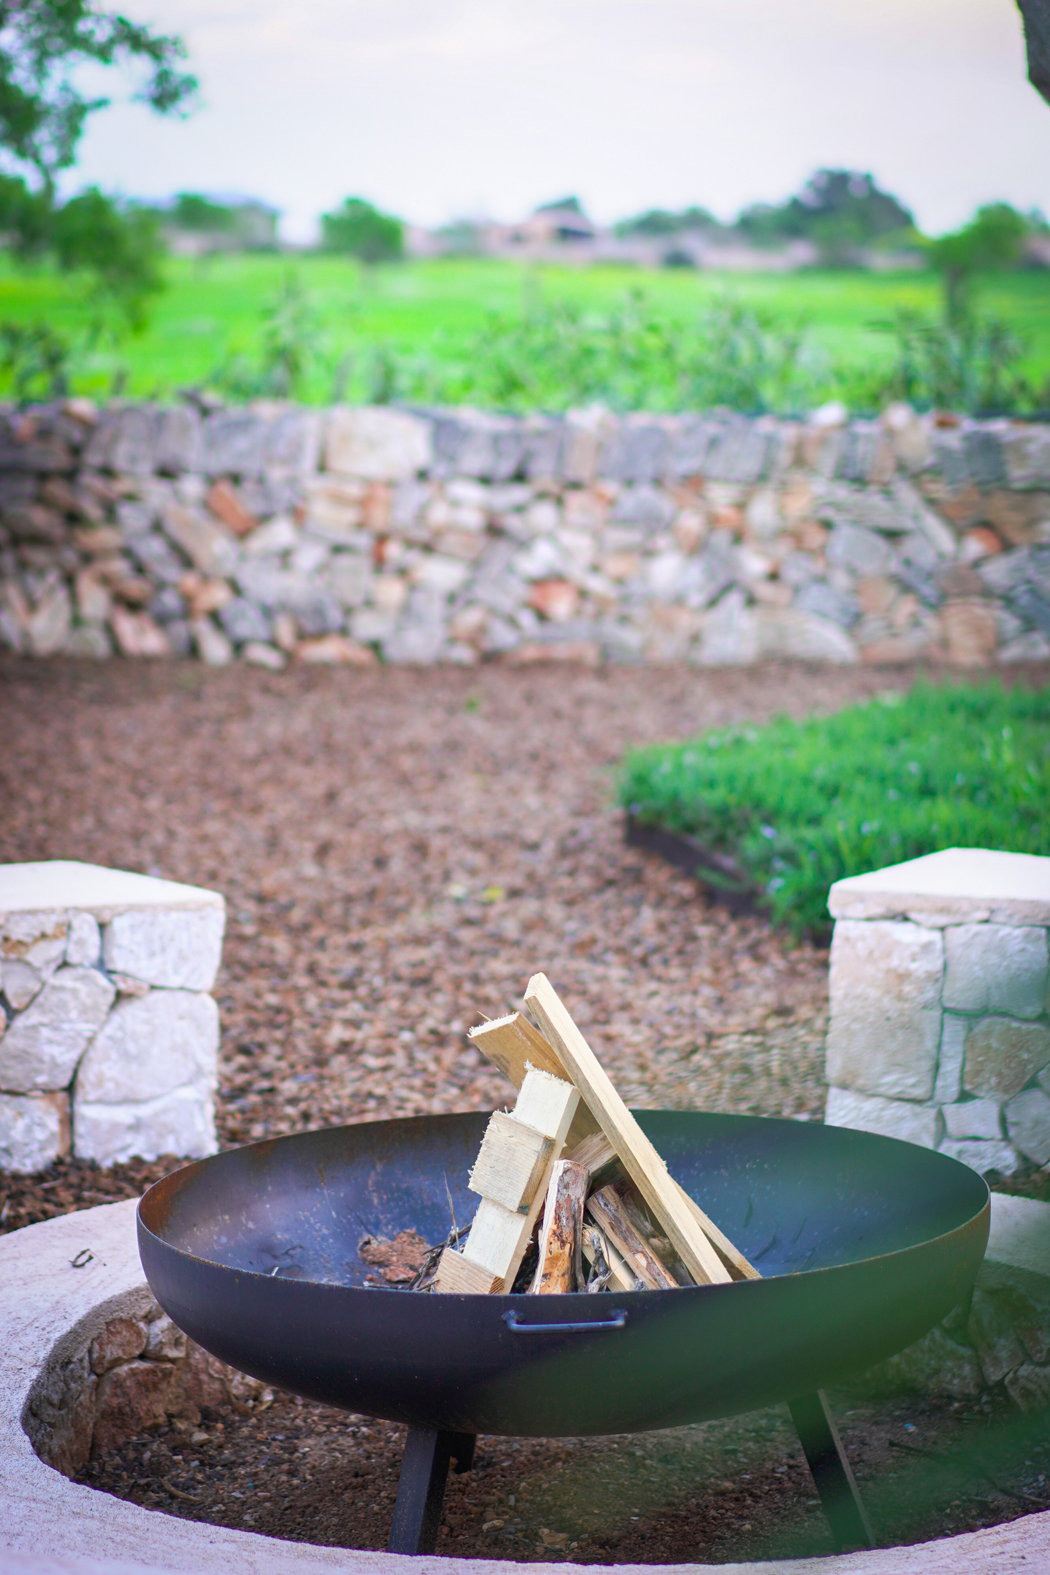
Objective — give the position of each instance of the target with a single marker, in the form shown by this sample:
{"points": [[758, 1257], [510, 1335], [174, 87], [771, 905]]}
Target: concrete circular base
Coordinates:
{"points": [[50, 1312]]}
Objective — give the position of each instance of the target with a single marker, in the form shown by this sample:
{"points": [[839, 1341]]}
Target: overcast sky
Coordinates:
{"points": [[441, 108]]}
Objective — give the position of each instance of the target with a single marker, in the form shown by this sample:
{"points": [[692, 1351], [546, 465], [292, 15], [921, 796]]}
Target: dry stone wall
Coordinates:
{"points": [[108, 1036], [356, 535], [940, 1006]]}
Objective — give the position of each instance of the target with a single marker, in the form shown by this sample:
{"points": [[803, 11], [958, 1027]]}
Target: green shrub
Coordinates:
{"points": [[798, 805]]}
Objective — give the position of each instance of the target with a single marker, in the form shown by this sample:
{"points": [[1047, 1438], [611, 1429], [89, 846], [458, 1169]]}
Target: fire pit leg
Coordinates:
{"points": [[832, 1476], [421, 1487]]}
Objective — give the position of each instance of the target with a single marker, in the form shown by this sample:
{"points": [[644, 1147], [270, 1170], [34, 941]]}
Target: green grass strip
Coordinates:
{"points": [[799, 805]]}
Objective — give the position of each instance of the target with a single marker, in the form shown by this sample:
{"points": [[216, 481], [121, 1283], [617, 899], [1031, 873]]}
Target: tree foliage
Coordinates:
{"points": [[994, 238], [359, 229], [44, 44]]}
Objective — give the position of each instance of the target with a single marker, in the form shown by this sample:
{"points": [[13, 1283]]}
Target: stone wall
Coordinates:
{"points": [[940, 1006], [451, 536], [138, 1372], [108, 1036]]}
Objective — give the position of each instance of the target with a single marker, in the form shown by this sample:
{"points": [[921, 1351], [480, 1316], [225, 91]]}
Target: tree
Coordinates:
{"points": [[659, 222], [994, 238], [841, 211], [42, 45], [361, 230]]}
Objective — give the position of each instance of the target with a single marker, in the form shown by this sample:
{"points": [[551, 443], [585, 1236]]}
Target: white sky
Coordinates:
{"points": [[439, 108]]}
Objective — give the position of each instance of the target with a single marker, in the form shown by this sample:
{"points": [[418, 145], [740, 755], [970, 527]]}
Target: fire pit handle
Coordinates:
{"points": [[515, 1325]]}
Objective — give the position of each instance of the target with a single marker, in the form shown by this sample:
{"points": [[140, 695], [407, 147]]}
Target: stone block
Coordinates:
{"points": [[131, 1398], [210, 547], [165, 1342], [1028, 1123], [955, 886], [896, 1118], [973, 1118], [983, 1155], [1002, 1055], [150, 1047], [885, 1030], [84, 946], [376, 444], [935, 1365], [995, 968], [948, 1087], [20, 982], [177, 950], [43, 1044], [122, 1340], [1027, 453], [791, 634], [233, 443], [1029, 1387], [34, 1131], [991, 1332], [181, 1123], [61, 1413]]}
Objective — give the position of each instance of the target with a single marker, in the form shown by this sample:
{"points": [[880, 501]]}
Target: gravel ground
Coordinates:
{"points": [[399, 851]]}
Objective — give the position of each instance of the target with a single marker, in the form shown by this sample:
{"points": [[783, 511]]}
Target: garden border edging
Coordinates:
{"points": [[50, 1311]]}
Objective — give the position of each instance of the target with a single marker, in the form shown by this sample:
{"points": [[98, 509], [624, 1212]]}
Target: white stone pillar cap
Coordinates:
{"points": [[955, 886], [91, 888]]}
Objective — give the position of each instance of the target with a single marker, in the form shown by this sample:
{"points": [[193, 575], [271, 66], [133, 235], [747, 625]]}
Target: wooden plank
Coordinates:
{"points": [[607, 1211], [511, 1162], [512, 1043], [499, 1236], [560, 1266], [457, 1276], [732, 1256], [595, 1151], [641, 1161]]}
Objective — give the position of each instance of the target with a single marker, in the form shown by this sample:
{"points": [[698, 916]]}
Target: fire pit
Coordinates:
{"points": [[864, 1244]]}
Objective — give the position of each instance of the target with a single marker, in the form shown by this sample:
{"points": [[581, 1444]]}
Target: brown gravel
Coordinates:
{"points": [[399, 851]]}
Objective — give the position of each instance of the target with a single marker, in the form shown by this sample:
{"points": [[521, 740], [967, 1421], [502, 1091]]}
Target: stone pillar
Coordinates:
{"points": [[108, 1033], [940, 1005]]}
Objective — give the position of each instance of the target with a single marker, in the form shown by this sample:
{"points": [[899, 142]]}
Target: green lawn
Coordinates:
{"points": [[214, 309], [798, 805]]}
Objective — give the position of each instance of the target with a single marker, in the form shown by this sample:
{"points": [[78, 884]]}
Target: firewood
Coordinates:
{"points": [[457, 1276], [607, 1211], [498, 1235], [560, 1266], [511, 1162], [638, 1156], [513, 1045], [607, 1268]]}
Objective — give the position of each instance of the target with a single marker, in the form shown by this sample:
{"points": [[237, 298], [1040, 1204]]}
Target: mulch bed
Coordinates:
{"points": [[399, 851]]}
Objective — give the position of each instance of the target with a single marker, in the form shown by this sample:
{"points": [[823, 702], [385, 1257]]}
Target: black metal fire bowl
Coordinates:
{"points": [[864, 1244]]}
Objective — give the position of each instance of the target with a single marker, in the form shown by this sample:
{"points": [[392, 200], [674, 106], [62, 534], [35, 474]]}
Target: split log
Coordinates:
{"points": [[607, 1211], [638, 1156], [499, 1236], [606, 1263], [560, 1266]]}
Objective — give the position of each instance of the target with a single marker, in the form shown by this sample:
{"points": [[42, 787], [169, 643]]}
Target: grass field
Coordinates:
{"points": [[213, 310]]}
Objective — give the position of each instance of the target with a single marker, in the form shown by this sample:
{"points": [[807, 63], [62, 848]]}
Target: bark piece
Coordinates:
{"points": [[560, 1266]]}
